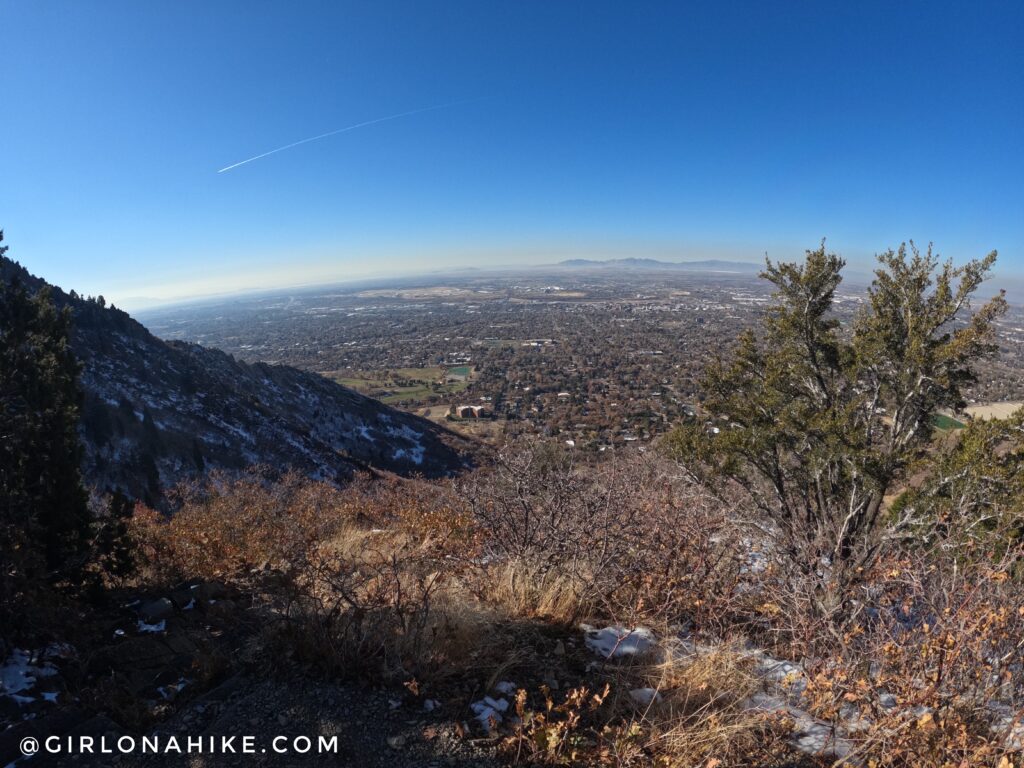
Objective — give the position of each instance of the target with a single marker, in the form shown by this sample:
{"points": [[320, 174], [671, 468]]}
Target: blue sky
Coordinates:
{"points": [[675, 130]]}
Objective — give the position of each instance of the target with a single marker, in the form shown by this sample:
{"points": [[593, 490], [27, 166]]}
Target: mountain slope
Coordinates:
{"points": [[156, 412]]}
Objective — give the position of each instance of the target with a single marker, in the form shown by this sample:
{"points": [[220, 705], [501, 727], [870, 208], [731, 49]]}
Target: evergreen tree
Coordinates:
{"points": [[44, 518], [973, 495], [819, 424], [112, 543]]}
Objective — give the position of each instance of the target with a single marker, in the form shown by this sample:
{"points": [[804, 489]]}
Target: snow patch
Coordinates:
{"points": [[415, 455], [18, 673], [617, 642], [489, 711], [172, 690], [406, 432]]}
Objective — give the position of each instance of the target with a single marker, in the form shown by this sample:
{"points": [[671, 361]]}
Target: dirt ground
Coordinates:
{"points": [[987, 411]]}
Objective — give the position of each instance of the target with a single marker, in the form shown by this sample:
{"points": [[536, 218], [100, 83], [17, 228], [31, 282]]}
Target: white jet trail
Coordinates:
{"points": [[344, 130]]}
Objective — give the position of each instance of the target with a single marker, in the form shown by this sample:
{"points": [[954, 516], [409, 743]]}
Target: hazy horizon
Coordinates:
{"points": [[857, 274]]}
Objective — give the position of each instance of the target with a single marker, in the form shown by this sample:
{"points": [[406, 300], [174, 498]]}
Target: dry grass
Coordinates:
{"points": [[701, 714], [521, 589], [697, 717]]}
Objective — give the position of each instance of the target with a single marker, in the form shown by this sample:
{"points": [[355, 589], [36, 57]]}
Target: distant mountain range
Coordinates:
{"points": [[707, 265], [156, 413]]}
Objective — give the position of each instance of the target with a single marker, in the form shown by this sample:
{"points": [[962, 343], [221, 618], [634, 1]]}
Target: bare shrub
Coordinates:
{"points": [[359, 581], [627, 538], [934, 674]]}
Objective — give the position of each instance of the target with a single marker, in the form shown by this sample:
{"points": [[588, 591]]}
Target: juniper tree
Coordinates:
{"points": [[820, 423]]}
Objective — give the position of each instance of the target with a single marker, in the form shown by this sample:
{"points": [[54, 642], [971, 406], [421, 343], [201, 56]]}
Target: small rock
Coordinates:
{"points": [[154, 628], [645, 697], [396, 742], [559, 648], [59, 651], [182, 598], [155, 610]]}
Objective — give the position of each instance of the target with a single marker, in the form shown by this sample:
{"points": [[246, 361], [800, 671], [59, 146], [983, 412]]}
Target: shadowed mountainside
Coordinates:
{"points": [[155, 413]]}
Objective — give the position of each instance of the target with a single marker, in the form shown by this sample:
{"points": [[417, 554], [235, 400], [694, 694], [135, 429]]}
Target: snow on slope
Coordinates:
{"points": [[157, 412]]}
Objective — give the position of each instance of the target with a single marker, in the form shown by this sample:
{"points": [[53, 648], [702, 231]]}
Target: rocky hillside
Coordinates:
{"points": [[157, 412]]}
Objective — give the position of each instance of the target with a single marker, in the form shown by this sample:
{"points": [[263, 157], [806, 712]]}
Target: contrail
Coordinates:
{"points": [[344, 130]]}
